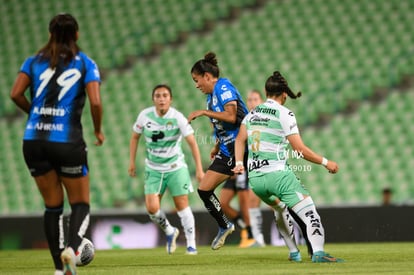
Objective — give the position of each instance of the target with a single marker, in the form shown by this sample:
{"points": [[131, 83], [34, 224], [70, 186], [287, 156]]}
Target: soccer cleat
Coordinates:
{"points": [[191, 251], [59, 272], [295, 257], [68, 259], [246, 243], [243, 234], [222, 234], [322, 257], [171, 241]]}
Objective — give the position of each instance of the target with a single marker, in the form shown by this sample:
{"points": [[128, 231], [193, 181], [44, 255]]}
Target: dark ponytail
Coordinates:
{"points": [[276, 84]]}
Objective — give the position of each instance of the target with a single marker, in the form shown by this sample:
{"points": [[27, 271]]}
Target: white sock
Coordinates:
{"points": [[315, 232], [160, 219], [284, 224], [188, 223], [256, 221]]}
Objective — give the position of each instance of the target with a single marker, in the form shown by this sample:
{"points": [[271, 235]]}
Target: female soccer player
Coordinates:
{"points": [[163, 128], [53, 144], [226, 109], [254, 98], [268, 130], [249, 203]]}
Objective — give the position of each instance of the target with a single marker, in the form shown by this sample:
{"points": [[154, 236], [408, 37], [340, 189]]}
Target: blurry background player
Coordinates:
{"points": [[226, 109], [249, 212], [268, 130], [163, 128], [254, 98], [53, 145]]}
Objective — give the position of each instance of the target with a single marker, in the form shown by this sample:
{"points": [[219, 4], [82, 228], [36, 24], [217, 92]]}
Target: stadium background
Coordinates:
{"points": [[352, 59]]}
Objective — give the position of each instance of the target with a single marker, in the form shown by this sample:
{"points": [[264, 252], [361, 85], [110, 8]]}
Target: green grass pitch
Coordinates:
{"points": [[360, 258]]}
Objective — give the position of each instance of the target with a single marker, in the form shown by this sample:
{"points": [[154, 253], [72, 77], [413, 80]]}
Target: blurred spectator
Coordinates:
{"points": [[386, 196]]}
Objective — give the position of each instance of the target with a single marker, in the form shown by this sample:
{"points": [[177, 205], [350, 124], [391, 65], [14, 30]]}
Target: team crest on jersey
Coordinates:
{"points": [[169, 126], [214, 100]]}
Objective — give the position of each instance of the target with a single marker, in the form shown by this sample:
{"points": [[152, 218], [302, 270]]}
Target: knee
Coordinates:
{"points": [[152, 210]]}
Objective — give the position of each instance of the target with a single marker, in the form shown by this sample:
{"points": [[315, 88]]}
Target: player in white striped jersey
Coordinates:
{"points": [[163, 128], [268, 130]]}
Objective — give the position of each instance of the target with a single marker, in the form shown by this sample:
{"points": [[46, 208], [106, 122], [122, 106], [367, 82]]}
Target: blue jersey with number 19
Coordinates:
{"points": [[57, 97]]}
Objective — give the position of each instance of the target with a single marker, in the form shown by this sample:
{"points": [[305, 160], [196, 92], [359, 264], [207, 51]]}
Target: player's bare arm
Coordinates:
{"points": [[228, 115], [297, 144]]}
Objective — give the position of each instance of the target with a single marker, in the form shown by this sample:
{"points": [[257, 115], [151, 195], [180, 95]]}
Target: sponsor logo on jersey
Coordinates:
{"points": [[46, 127], [49, 111], [269, 111], [156, 135], [255, 119], [257, 163], [226, 95]]}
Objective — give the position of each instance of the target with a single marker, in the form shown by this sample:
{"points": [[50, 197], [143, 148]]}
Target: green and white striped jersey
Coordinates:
{"points": [[163, 136], [267, 126]]}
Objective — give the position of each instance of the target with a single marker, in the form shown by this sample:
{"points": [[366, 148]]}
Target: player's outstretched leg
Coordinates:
{"points": [[315, 233], [213, 206], [284, 224]]}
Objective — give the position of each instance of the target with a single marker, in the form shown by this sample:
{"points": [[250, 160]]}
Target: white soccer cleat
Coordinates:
{"points": [[68, 259], [219, 240], [171, 241]]}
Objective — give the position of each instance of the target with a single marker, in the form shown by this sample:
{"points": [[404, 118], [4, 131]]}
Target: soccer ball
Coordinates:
{"points": [[85, 253]]}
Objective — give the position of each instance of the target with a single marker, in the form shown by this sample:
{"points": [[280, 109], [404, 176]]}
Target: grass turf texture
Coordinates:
{"points": [[360, 258]]}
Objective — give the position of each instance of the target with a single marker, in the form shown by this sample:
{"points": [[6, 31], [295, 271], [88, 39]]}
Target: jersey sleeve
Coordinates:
{"points": [[25, 68], [288, 122], [244, 121], [139, 123], [185, 127], [92, 70], [227, 93]]}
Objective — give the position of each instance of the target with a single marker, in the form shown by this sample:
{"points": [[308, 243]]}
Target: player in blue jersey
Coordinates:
{"points": [[226, 110], [59, 78]]}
